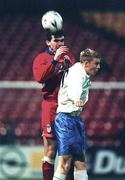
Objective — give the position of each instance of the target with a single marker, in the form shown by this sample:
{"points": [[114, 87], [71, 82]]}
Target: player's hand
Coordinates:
{"points": [[79, 103], [61, 51]]}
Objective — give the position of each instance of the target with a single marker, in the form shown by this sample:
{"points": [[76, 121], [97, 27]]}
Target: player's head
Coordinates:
{"points": [[55, 40], [91, 60]]}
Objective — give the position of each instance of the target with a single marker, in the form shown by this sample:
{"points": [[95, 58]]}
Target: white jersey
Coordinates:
{"points": [[75, 87]]}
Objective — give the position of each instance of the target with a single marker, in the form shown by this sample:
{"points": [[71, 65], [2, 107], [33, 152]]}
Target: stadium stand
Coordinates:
{"points": [[111, 21]]}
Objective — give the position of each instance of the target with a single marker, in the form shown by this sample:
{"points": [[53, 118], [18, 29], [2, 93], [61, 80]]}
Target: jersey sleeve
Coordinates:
{"points": [[72, 58]]}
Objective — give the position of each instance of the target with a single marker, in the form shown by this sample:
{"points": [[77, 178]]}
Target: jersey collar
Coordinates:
{"points": [[50, 52]]}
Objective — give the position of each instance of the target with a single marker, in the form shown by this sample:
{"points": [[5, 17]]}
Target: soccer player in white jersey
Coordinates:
{"points": [[69, 126]]}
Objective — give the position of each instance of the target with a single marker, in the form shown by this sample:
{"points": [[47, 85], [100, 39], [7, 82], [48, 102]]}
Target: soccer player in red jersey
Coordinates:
{"points": [[49, 68]]}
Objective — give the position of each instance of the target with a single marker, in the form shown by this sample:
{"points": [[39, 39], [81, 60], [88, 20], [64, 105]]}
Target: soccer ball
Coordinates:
{"points": [[52, 21]]}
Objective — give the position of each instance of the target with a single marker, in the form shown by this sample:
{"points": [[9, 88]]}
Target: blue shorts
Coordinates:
{"points": [[70, 133]]}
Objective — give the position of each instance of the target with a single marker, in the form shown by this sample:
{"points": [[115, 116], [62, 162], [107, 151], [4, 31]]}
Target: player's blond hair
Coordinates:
{"points": [[89, 54]]}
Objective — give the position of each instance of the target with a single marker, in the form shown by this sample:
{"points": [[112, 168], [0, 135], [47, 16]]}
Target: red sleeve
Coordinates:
{"points": [[72, 58], [43, 68]]}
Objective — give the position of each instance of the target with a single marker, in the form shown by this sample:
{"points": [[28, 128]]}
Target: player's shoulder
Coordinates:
{"points": [[75, 66], [73, 69], [76, 69], [40, 55]]}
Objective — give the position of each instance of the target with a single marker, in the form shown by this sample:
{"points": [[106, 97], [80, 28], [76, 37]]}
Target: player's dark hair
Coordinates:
{"points": [[56, 34], [89, 54]]}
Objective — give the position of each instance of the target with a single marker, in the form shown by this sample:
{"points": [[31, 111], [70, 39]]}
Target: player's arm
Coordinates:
{"points": [[44, 68], [61, 51], [72, 58], [79, 103], [49, 67]]}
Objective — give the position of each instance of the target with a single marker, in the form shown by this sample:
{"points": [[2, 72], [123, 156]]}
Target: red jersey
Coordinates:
{"points": [[49, 73]]}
